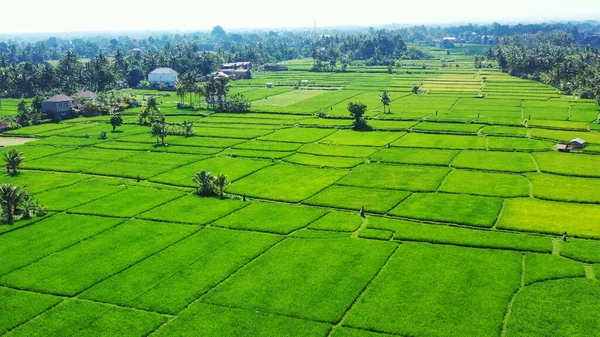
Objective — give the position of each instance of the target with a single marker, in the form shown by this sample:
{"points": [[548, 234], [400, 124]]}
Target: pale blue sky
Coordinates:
{"points": [[116, 15]]}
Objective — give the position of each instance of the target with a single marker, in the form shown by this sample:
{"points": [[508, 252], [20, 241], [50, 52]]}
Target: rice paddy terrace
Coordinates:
{"points": [[465, 199]]}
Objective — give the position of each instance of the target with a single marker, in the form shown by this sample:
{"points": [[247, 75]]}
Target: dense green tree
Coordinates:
{"points": [[116, 119], [220, 182], [357, 110], [11, 197], [204, 183], [385, 99]]}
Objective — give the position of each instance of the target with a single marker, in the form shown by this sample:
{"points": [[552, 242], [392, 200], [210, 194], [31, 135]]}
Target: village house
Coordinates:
{"points": [[236, 65], [58, 105], [166, 76], [275, 67], [85, 94], [243, 74], [576, 144]]}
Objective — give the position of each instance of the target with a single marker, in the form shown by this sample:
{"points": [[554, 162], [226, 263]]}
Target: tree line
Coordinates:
{"points": [[551, 58]]}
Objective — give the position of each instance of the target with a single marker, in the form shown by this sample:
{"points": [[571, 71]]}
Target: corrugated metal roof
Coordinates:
{"points": [[164, 71], [59, 98]]}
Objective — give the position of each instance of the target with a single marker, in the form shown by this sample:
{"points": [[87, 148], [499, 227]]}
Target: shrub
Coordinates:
{"points": [[103, 134]]}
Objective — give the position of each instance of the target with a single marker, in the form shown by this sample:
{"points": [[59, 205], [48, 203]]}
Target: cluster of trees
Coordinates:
{"points": [[207, 184], [551, 58], [15, 201]]}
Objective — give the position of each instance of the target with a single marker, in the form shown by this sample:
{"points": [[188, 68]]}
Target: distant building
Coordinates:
{"points": [[576, 144], [243, 74], [220, 74], [159, 76], [58, 105], [237, 65], [275, 67], [488, 39], [448, 42], [85, 94]]}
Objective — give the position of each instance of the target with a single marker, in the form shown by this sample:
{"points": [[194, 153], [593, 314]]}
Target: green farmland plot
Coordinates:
{"points": [[171, 279], [216, 321], [439, 234], [20, 306], [564, 188], [441, 141], [373, 199], [353, 138], [558, 308], [41, 181], [233, 168], [543, 267], [286, 182], [90, 319], [570, 164], [298, 135], [581, 250], [516, 162], [80, 266], [415, 156], [338, 221], [31, 152], [453, 208], [117, 204], [193, 210], [518, 144], [487, 184], [467, 296], [292, 278], [63, 198], [551, 217], [337, 150], [26, 245], [402, 177], [323, 161], [273, 218]]}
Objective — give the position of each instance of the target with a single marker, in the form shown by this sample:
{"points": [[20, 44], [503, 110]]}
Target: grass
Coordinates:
{"points": [[31, 152], [19, 307], [37, 129], [286, 182], [294, 277], [415, 156], [78, 267], [447, 127], [171, 279], [557, 308], [273, 218], [90, 319], [349, 197], [377, 234], [67, 141], [466, 290], [337, 150], [486, 184], [348, 332], [67, 197], [128, 202], [453, 208], [193, 209], [212, 320], [267, 146], [364, 138], [581, 250], [412, 231], [510, 131], [563, 188], [37, 182], [234, 153], [233, 168], [551, 217], [441, 141], [518, 144], [29, 244], [323, 161], [516, 162], [411, 178], [337, 221], [543, 267], [571, 164], [298, 135]]}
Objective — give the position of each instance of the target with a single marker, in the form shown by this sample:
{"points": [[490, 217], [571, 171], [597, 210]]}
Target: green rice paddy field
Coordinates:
{"points": [[466, 201]]}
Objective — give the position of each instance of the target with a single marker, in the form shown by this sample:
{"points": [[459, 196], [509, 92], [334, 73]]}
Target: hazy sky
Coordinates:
{"points": [[114, 15]]}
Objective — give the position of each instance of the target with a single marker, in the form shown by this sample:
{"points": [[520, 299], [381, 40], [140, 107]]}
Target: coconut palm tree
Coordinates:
{"points": [[11, 197], [188, 81], [199, 91], [220, 182], [149, 110], [204, 182], [384, 97], [13, 159], [159, 130], [181, 91]]}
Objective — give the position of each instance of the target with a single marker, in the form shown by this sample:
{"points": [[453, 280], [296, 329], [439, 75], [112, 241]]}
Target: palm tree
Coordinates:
{"points": [[222, 88], [384, 97], [181, 91], [199, 92], [149, 110], [188, 80], [11, 197], [204, 182], [220, 182], [210, 89], [159, 130], [13, 159]]}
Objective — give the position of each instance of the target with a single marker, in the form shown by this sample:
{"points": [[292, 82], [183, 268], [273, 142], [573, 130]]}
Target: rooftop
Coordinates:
{"points": [[59, 98], [164, 71]]}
